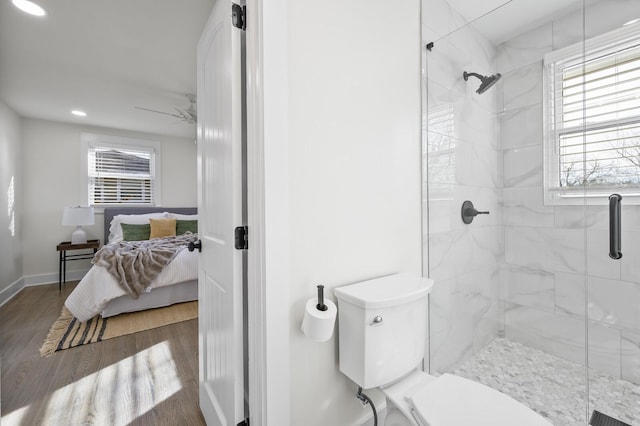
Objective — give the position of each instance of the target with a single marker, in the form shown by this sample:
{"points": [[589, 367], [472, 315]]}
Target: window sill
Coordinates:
{"points": [[589, 199]]}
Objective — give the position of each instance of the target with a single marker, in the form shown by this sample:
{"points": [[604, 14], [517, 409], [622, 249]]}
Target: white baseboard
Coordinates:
{"points": [[33, 280], [13, 289]]}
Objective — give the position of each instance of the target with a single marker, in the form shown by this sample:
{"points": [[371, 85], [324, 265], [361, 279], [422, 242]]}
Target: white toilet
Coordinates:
{"points": [[383, 331]]}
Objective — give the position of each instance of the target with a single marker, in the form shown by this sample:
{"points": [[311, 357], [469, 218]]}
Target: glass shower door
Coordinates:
{"points": [[611, 87], [503, 310]]}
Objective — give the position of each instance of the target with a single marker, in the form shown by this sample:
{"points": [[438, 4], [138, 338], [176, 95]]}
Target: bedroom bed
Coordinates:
{"points": [[100, 293]]}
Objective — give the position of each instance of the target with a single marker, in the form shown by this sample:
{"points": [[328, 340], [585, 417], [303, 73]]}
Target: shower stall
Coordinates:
{"points": [[531, 111]]}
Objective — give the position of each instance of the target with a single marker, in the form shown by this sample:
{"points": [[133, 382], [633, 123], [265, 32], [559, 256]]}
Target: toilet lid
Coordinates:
{"points": [[453, 401]]}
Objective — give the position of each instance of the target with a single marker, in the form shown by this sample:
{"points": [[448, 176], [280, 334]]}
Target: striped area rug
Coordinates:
{"points": [[67, 332]]}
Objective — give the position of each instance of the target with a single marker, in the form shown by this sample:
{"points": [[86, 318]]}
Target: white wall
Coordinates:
{"points": [[352, 162], [52, 180], [274, 51], [11, 196]]}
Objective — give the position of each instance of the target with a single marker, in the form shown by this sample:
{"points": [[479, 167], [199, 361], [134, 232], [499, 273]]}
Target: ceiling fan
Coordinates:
{"points": [[188, 115]]}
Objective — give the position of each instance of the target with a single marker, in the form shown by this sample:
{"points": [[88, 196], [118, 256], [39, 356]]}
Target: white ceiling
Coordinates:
{"points": [[501, 20], [103, 57], [106, 57], [518, 16]]}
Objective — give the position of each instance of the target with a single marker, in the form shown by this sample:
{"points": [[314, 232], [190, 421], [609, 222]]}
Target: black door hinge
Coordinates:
{"points": [[239, 16], [245, 422], [242, 237]]}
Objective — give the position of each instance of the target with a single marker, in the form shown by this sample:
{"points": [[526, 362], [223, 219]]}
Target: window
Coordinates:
{"points": [[592, 118], [121, 171]]}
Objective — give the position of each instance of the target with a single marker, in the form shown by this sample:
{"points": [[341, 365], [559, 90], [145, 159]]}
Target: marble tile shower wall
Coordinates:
{"points": [[460, 152], [544, 265]]}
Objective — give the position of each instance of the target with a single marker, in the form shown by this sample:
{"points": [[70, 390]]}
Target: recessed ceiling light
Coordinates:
{"points": [[29, 7], [79, 113], [633, 21]]}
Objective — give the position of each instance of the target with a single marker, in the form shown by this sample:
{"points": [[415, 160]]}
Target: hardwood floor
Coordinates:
{"points": [[147, 378]]}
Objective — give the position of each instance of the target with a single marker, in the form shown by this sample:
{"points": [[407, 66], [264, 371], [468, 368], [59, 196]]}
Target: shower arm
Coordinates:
{"points": [[476, 75]]}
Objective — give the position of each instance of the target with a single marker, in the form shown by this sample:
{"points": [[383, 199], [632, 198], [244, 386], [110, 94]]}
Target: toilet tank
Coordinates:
{"points": [[383, 327]]}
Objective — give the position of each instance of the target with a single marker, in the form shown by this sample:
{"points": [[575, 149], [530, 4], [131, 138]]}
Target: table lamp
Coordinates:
{"points": [[78, 217]]}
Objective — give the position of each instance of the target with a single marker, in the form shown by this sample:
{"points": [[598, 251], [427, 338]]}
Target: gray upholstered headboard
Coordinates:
{"points": [[110, 212]]}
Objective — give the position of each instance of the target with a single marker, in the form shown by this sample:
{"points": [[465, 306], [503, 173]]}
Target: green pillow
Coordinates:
{"points": [[135, 232], [182, 226]]}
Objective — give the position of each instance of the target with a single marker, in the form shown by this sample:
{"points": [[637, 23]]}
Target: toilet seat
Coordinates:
{"points": [[450, 400], [454, 401]]}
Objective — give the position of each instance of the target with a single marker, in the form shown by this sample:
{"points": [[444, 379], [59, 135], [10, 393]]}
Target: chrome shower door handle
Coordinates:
{"points": [[615, 217]]}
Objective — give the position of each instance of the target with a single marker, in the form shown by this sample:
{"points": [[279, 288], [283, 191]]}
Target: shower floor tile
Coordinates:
{"points": [[552, 386]]}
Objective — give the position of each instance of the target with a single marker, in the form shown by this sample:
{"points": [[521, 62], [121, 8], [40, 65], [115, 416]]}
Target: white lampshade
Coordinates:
{"points": [[78, 217]]}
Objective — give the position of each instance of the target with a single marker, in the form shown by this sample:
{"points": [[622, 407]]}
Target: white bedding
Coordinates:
{"points": [[98, 287]]}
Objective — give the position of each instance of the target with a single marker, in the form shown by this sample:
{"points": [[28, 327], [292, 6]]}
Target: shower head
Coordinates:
{"points": [[486, 81]]}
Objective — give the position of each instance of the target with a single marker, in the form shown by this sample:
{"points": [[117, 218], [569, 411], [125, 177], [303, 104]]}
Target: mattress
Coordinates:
{"points": [[155, 298], [98, 287]]}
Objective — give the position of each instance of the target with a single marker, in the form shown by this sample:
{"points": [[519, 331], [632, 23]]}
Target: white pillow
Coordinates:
{"points": [[179, 216], [115, 230]]}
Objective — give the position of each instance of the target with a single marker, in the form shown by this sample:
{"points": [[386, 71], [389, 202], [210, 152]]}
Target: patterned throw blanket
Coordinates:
{"points": [[135, 264]]}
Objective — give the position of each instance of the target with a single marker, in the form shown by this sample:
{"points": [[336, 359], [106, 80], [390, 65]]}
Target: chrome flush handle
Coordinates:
{"points": [[377, 320]]}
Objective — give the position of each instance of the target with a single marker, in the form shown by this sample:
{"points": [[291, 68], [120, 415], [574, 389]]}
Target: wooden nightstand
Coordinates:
{"points": [[65, 246]]}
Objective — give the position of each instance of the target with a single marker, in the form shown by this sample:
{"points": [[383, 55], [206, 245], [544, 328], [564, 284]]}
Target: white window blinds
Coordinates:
{"points": [[593, 101], [120, 175]]}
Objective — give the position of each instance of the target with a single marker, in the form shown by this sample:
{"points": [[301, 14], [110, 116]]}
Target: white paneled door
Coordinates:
{"points": [[220, 211]]}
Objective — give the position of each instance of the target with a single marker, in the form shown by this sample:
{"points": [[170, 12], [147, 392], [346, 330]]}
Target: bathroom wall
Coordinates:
{"points": [[548, 249], [460, 151], [351, 208]]}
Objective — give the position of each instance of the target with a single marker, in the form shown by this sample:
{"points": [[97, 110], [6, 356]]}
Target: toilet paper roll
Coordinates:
{"points": [[317, 324]]}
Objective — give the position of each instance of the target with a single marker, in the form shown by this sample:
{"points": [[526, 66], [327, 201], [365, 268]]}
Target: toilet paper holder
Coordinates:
{"points": [[321, 306], [319, 317]]}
